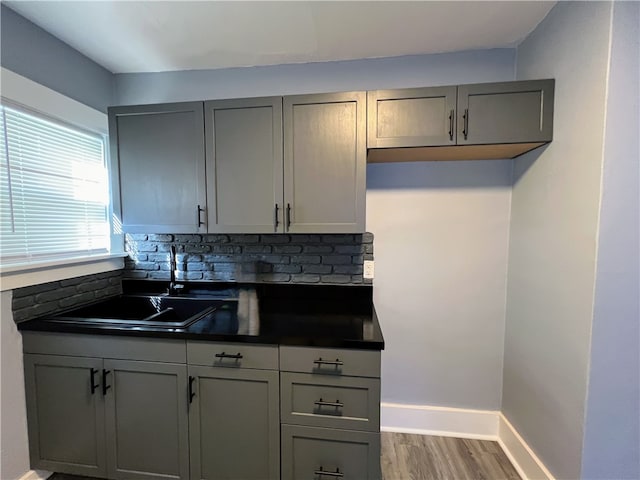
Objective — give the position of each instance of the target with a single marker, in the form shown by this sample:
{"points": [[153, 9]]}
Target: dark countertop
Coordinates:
{"points": [[305, 315]]}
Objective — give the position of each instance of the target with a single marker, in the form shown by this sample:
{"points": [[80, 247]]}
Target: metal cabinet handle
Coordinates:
{"points": [[105, 387], [320, 361], [192, 393], [237, 356], [288, 216], [199, 222], [322, 403], [336, 474], [451, 117], [277, 222], [94, 385], [465, 127]]}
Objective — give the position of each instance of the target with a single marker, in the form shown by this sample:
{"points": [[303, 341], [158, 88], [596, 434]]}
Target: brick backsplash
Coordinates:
{"points": [[37, 300], [326, 259]]}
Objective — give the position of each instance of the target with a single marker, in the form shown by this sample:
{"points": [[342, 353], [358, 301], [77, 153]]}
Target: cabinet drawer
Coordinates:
{"points": [[334, 402], [105, 346], [330, 361], [234, 355], [343, 454]]}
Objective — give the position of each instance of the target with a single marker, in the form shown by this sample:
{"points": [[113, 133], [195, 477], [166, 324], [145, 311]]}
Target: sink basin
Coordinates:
{"points": [[142, 311]]}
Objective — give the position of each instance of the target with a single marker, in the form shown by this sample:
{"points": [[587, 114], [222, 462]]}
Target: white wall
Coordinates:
{"points": [[612, 424], [554, 225], [14, 455], [440, 229], [441, 238]]}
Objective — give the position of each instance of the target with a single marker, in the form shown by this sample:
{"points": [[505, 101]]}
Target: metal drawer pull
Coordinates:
{"points": [[237, 356], [105, 387], [277, 222], [199, 222], [336, 362], [322, 403], [336, 474], [451, 116], [94, 385], [465, 126], [191, 392]]}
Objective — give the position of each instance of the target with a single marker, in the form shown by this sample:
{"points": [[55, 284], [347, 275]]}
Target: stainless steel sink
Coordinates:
{"points": [[142, 311]]}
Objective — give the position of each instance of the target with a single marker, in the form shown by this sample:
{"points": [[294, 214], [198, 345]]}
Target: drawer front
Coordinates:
{"points": [[333, 402], [342, 454], [105, 346], [232, 355], [330, 361]]}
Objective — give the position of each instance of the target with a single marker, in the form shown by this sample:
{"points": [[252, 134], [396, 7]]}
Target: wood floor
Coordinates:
{"points": [[420, 457]]}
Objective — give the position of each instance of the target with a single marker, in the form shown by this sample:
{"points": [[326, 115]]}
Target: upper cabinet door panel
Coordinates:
{"points": [[160, 165], [244, 165], [325, 161], [415, 117], [509, 112]]}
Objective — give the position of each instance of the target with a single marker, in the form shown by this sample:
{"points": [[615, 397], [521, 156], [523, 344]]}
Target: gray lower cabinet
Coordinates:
{"points": [[234, 423], [310, 453], [244, 165], [330, 413], [146, 420], [325, 163], [158, 160], [65, 414]]}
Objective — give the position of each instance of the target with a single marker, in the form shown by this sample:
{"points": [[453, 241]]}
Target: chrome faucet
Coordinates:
{"points": [[173, 264]]}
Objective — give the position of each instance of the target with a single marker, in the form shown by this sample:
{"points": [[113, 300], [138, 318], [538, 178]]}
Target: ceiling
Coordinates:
{"points": [[153, 36]]}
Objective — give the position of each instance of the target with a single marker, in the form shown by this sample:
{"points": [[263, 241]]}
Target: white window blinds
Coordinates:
{"points": [[53, 190]]}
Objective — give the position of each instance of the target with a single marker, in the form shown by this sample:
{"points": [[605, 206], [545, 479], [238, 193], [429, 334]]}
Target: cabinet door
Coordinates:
{"points": [[244, 165], [309, 451], [65, 414], [234, 424], [510, 112], [325, 161], [160, 166], [147, 420], [412, 117]]}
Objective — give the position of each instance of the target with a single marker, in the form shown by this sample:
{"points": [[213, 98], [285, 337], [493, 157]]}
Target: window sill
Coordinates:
{"points": [[18, 276]]}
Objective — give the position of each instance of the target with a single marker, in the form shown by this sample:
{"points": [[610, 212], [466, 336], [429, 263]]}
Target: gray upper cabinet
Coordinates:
{"points": [[146, 420], [324, 163], [160, 163], [244, 165], [509, 112], [65, 413], [234, 424], [411, 117], [465, 122]]}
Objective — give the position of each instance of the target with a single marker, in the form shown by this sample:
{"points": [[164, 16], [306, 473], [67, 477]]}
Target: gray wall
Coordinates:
{"points": [[397, 72], [553, 236], [327, 259], [14, 452], [612, 428], [28, 50], [440, 229]]}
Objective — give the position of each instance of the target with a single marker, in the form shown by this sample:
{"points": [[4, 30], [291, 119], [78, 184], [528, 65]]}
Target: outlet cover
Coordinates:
{"points": [[368, 269]]}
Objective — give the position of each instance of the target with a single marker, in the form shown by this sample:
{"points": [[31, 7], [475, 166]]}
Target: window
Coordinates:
{"points": [[54, 192]]}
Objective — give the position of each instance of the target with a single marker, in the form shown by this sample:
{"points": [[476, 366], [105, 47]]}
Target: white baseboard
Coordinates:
{"points": [[523, 458], [442, 421], [465, 423], [35, 475]]}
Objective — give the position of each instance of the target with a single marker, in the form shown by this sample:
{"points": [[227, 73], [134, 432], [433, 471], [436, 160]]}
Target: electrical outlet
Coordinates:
{"points": [[368, 269]]}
